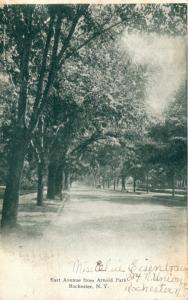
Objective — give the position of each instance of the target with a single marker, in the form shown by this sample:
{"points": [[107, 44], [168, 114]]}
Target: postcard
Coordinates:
{"points": [[93, 150]]}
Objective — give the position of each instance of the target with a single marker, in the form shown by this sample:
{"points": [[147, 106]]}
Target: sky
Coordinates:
{"points": [[165, 57]]}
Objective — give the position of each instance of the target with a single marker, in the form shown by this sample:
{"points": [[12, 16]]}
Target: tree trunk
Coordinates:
{"points": [[117, 182], [15, 167], [40, 184], [103, 183], [173, 185], [108, 183], [134, 185], [94, 177], [51, 185], [147, 184], [66, 180], [114, 184], [123, 183], [59, 180]]}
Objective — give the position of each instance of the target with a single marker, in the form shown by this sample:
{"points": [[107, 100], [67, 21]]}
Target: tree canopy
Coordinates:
{"points": [[76, 101]]}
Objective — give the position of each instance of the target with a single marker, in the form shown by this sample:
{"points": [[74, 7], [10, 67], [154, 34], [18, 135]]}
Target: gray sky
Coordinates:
{"points": [[166, 60]]}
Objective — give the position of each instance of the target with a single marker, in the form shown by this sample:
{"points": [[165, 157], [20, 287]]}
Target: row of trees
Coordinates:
{"points": [[156, 159], [72, 100]]}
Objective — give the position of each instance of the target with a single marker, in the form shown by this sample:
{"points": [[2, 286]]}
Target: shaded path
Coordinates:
{"points": [[94, 225], [97, 221]]}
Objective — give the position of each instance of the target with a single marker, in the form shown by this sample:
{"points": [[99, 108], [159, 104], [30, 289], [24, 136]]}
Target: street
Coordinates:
{"points": [[113, 228], [103, 222]]}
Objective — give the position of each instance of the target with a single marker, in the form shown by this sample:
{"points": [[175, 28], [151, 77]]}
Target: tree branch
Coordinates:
{"points": [[98, 33], [36, 152], [54, 62], [24, 73], [38, 108], [44, 64], [94, 137], [71, 32]]}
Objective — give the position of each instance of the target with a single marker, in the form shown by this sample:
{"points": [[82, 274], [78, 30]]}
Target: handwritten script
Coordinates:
{"points": [[136, 277]]}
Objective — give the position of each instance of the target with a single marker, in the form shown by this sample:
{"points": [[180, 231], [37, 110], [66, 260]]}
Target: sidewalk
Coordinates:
{"points": [[33, 219]]}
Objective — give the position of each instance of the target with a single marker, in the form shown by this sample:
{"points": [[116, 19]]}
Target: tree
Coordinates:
{"points": [[38, 145], [102, 109], [170, 139], [37, 40]]}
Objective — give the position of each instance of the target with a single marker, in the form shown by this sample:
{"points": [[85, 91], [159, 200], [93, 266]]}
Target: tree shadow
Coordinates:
{"points": [[139, 198], [33, 219]]}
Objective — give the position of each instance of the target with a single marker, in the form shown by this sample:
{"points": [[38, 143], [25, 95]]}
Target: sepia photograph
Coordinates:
{"points": [[93, 151]]}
